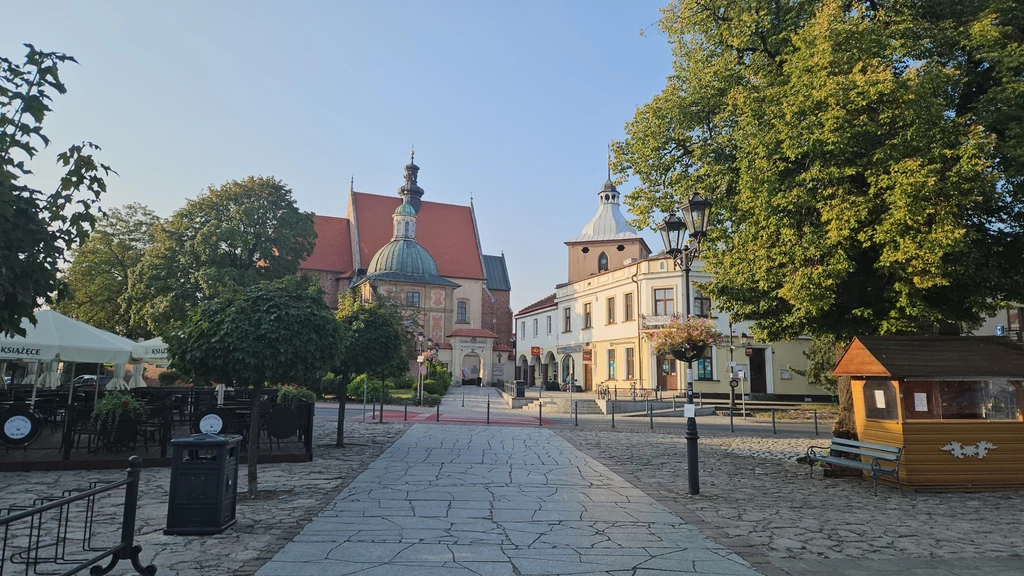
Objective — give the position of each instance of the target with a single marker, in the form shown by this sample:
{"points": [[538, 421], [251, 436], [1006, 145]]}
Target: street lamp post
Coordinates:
{"points": [[420, 360], [684, 249]]}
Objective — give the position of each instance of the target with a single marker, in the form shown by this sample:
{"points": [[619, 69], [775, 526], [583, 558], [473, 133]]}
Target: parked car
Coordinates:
{"points": [[89, 382]]}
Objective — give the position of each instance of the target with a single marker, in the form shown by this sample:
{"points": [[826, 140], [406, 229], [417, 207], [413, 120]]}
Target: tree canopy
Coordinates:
{"points": [[865, 158], [233, 236], [37, 228], [97, 278], [275, 332]]}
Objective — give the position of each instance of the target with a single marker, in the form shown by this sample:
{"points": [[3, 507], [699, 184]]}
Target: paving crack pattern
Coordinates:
{"points": [[496, 501]]}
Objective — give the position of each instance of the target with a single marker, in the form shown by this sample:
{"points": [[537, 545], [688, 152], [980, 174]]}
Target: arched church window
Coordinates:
{"points": [[406, 228], [602, 262]]}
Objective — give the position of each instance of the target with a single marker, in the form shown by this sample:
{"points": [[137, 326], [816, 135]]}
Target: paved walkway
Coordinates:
{"points": [[496, 501]]}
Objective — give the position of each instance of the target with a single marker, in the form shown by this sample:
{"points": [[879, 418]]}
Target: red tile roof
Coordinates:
{"points": [[445, 230], [502, 348], [333, 251], [545, 302], [473, 333]]}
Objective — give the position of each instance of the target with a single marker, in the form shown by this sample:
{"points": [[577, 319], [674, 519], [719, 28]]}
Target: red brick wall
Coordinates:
{"points": [[497, 316]]}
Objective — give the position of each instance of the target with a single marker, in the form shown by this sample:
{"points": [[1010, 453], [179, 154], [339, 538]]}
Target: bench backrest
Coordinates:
{"points": [[880, 451]]}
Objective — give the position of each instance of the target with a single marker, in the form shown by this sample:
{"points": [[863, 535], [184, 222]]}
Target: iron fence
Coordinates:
{"points": [[60, 536]]}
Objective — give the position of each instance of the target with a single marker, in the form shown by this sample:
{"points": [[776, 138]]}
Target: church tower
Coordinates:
{"points": [[411, 191]]}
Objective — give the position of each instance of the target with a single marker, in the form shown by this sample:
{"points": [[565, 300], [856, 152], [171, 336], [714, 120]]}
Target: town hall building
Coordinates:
{"points": [[427, 256]]}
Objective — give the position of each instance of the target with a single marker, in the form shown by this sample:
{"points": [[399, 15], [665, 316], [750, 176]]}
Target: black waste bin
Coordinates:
{"points": [[520, 388], [204, 484]]}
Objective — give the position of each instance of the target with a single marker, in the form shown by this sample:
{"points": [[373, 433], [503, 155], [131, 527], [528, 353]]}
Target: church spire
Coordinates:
{"points": [[411, 191]]}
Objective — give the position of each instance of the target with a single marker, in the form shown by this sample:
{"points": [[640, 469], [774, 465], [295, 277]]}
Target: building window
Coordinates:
{"points": [[611, 310], [602, 262], [701, 305], [522, 329], [566, 320], [536, 325], [412, 299], [462, 315], [879, 400], [962, 400], [586, 316], [549, 323], [705, 366], [629, 364], [611, 363], [664, 301], [627, 307]]}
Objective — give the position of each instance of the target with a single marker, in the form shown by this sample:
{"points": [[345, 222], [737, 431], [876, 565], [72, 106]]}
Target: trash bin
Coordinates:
{"points": [[204, 484], [520, 388]]}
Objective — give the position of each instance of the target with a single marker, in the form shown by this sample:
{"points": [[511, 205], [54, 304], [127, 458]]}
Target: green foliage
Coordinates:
{"points": [[821, 360], [373, 389], [373, 338], [38, 229], [403, 382], [433, 387], [169, 377], [232, 237], [97, 279], [865, 159], [329, 384], [437, 372], [112, 405], [431, 399], [288, 395]]}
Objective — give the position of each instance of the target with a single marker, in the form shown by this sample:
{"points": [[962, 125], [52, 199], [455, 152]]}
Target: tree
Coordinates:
{"points": [[233, 236], [98, 276], [38, 228], [373, 342], [275, 332], [865, 159], [821, 360]]}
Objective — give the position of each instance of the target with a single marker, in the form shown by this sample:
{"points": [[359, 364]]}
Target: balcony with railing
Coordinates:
{"points": [[655, 321]]}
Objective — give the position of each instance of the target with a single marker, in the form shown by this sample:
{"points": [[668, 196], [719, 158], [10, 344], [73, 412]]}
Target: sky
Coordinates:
{"points": [[513, 103]]}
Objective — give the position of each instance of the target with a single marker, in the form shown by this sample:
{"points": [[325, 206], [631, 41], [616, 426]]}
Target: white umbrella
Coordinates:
{"points": [[50, 377], [30, 373], [57, 337], [3, 378], [137, 381], [118, 383], [153, 350]]}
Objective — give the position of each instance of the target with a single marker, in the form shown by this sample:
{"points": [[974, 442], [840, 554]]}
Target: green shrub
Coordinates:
{"points": [[169, 377], [432, 387], [328, 385], [404, 382], [373, 389], [112, 405], [293, 395], [431, 399]]}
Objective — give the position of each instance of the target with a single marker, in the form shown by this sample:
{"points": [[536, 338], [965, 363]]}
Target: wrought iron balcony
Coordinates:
{"points": [[653, 322]]}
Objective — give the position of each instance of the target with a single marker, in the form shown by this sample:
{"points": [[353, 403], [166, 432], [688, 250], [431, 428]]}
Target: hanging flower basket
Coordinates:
{"points": [[686, 340]]}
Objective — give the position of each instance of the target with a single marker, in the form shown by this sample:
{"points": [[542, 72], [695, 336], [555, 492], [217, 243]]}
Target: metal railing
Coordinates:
{"points": [[58, 536]]}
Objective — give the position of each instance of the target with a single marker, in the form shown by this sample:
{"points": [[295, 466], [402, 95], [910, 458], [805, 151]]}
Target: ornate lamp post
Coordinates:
{"points": [[684, 249], [420, 359]]}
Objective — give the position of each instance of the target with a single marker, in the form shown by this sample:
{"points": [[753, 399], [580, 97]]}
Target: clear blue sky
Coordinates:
{"points": [[513, 102]]}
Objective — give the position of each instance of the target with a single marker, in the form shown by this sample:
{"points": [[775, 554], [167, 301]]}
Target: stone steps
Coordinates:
{"points": [[564, 406]]}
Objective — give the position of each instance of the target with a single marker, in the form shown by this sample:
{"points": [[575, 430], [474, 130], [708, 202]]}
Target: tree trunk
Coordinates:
{"points": [[254, 436], [846, 424], [342, 399]]}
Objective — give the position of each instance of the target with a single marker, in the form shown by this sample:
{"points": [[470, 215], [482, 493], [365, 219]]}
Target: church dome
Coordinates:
{"points": [[404, 209], [608, 223], [404, 256]]}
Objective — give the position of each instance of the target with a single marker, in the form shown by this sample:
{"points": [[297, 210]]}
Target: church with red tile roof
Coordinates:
{"points": [[427, 255]]}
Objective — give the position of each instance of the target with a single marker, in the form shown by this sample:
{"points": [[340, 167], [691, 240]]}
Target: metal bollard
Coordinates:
{"points": [[463, 399], [488, 409], [650, 413], [613, 415], [731, 428], [673, 403], [381, 419], [616, 393], [576, 413], [815, 422], [373, 410], [406, 416], [438, 410], [540, 414], [700, 398], [774, 431]]}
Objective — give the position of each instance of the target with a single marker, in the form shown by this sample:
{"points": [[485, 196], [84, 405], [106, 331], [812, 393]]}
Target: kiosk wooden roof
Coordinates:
{"points": [[932, 357]]}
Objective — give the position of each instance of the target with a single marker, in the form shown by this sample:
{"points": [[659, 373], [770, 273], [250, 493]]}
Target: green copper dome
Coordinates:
{"points": [[405, 209], [405, 256]]}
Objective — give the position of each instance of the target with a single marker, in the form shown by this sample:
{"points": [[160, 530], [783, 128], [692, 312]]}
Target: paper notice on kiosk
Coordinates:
{"points": [[921, 401], [879, 398]]}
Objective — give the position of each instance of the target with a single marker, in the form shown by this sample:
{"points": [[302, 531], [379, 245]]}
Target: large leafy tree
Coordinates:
{"points": [[374, 341], [233, 236], [98, 276], [38, 228], [865, 158], [275, 332]]}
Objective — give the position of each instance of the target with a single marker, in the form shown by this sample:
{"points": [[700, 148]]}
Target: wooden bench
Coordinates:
{"points": [[885, 460]]}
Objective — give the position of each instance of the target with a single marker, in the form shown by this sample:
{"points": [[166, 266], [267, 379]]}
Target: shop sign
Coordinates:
{"points": [[569, 349]]}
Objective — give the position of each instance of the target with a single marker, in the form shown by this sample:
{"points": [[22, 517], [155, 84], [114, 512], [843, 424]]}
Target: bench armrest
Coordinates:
{"points": [[812, 451]]}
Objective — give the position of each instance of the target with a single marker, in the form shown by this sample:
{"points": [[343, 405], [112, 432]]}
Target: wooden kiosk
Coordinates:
{"points": [[954, 403]]}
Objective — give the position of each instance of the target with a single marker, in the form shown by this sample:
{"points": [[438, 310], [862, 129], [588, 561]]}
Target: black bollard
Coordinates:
{"points": [[613, 415], [576, 413], [540, 414], [373, 410], [815, 422], [616, 393], [673, 403], [773, 422], [650, 413], [406, 416], [731, 428], [488, 409], [439, 410], [463, 399], [700, 398]]}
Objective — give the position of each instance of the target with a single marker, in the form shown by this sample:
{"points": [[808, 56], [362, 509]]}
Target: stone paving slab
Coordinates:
{"points": [[483, 501]]}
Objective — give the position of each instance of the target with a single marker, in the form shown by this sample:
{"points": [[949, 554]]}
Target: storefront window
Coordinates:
{"points": [[962, 400], [880, 400]]}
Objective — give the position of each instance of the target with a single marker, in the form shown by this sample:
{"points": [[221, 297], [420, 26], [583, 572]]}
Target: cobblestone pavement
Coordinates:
{"points": [[763, 506], [458, 500], [297, 493]]}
